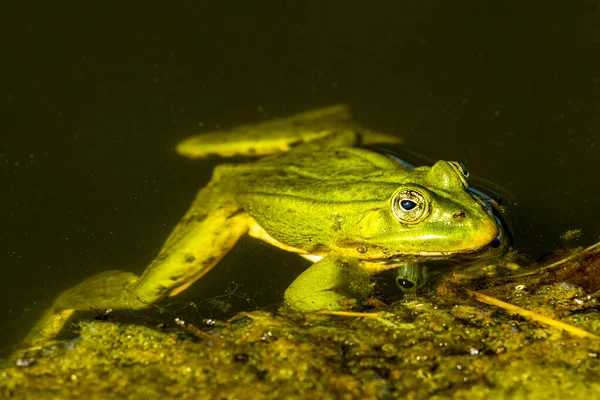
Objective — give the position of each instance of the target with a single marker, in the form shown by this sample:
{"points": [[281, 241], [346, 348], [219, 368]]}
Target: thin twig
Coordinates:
{"points": [[533, 316], [589, 250], [201, 334], [350, 314]]}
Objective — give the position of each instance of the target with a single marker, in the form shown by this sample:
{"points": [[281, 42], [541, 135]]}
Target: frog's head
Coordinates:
{"points": [[431, 214]]}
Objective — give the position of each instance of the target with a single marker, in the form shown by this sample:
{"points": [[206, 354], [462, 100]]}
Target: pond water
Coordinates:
{"points": [[96, 99]]}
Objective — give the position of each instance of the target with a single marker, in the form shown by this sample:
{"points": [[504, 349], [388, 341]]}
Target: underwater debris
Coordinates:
{"points": [[439, 344]]}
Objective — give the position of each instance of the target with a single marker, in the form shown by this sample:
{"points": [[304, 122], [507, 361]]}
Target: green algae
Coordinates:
{"points": [[441, 344]]}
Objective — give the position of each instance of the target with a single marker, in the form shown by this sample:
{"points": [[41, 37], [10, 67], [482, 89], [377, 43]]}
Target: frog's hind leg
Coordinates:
{"points": [[281, 134], [203, 237], [269, 137]]}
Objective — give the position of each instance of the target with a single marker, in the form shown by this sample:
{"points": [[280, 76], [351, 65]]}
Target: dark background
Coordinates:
{"points": [[96, 95]]}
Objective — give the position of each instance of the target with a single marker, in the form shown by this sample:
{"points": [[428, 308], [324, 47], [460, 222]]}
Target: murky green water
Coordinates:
{"points": [[96, 98]]}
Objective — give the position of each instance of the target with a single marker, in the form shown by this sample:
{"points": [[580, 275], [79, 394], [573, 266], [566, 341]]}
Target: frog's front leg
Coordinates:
{"points": [[328, 285], [203, 237]]}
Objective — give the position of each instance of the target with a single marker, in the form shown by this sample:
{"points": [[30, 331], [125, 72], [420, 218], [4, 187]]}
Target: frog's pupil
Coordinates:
{"points": [[464, 170], [408, 204]]}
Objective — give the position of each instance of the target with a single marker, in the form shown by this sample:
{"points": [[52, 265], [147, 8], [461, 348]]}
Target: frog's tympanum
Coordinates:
{"points": [[351, 211]]}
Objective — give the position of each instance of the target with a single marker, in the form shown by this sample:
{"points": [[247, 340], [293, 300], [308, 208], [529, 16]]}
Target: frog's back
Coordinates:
{"points": [[326, 175]]}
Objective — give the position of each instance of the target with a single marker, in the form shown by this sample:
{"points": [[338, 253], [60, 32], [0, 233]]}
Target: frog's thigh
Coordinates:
{"points": [[325, 285], [194, 247]]}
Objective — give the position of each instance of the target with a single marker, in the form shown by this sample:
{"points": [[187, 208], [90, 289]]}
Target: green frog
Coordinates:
{"points": [[352, 211]]}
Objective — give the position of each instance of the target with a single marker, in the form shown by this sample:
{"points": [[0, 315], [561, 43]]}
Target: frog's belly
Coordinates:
{"points": [[256, 231]]}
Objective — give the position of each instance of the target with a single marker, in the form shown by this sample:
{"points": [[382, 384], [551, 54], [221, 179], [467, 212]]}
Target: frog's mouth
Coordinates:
{"points": [[493, 248], [491, 240], [500, 241]]}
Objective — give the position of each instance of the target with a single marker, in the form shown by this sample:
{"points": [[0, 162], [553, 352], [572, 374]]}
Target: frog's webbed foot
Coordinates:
{"points": [[328, 285], [281, 134], [103, 291]]}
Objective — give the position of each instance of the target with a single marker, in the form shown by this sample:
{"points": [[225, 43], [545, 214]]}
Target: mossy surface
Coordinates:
{"points": [[439, 345]]}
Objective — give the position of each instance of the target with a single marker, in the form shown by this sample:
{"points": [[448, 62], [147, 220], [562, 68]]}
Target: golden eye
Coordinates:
{"points": [[409, 206]]}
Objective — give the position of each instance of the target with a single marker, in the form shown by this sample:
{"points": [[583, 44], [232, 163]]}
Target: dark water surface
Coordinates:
{"points": [[96, 97]]}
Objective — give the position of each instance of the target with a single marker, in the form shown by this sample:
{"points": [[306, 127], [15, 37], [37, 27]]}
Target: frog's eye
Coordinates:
{"points": [[462, 171], [409, 206]]}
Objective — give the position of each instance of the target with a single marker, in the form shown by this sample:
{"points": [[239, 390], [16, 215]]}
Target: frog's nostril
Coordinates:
{"points": [[460, 215]]}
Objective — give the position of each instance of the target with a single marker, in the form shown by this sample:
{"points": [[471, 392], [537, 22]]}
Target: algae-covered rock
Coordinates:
{"points": [[437, 345]]}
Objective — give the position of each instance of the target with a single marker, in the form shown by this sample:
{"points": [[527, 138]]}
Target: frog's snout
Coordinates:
{"points": [[481, 230]]}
